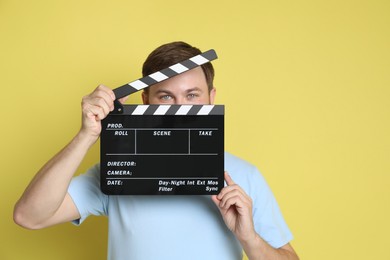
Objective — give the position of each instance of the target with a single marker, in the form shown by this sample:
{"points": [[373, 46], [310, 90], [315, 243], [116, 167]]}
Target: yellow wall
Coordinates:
{"points": [[306, 85]]}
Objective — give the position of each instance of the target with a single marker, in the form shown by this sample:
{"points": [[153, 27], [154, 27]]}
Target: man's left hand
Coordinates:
{"points": [[236, 210]]}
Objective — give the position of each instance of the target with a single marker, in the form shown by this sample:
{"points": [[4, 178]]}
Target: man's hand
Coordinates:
{"points": [[236, 209], [95, 107]]}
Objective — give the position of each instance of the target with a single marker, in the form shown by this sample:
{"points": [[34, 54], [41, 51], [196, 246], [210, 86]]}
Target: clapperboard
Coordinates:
{"points": [[163, 149]]}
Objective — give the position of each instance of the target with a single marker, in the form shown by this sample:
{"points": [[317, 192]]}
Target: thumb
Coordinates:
{"points": [[123, 100]]}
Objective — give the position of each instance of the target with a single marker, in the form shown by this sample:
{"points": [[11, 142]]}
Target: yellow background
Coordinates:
{"points": [[306, 85]]}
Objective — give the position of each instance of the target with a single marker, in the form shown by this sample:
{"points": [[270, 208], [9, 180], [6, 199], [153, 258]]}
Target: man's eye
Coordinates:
{"points": [[192, 96], [166, 97]]}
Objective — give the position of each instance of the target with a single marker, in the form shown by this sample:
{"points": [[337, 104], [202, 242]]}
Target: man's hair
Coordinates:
{"points": [[171, 53]]}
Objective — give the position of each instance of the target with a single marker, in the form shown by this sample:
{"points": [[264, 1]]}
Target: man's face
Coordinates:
{"points": [[187, 88]]}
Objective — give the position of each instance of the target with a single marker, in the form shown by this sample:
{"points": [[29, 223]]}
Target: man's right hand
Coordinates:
{"points": [[95, 107]]}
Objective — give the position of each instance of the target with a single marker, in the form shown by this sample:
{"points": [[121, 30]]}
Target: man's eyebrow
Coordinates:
{"points": [[164, 91], [194, 89]]}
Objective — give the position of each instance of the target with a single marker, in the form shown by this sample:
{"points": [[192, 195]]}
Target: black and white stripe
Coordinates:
{"points": [[164, 74], [174, 110]]}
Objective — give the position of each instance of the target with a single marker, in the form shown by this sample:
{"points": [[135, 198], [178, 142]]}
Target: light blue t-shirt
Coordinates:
{"points": [[178, 227]]}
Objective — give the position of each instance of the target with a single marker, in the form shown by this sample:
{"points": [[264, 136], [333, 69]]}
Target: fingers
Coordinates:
{"points": [[95, 112], [215, 199], [99, 103], [231, 195], [234, 197]]}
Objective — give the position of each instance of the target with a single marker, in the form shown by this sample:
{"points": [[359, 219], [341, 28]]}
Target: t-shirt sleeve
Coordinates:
{"points": [[87, 196], [267, 217]]}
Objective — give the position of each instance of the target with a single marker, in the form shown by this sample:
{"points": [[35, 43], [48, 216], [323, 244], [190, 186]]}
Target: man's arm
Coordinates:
{"points": [[45, 201], [236, 209]]}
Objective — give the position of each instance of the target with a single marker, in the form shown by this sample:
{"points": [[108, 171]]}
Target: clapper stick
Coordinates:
{"points": [[165, 74]]}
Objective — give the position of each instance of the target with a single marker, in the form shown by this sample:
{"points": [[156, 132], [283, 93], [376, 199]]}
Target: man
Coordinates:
{"points": [[243, 216]]}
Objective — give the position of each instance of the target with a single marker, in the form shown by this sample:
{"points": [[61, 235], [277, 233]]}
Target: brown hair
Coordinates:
{"points": [[171, 53]]}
